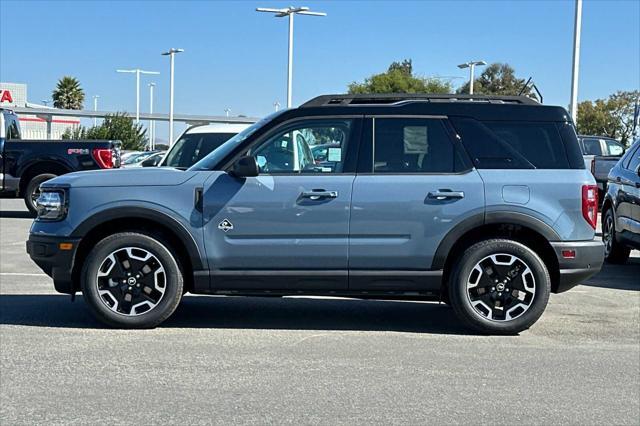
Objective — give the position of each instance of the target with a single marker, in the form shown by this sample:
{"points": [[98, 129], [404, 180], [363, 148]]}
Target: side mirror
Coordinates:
{"points": [[152, 162], [245, 167]]}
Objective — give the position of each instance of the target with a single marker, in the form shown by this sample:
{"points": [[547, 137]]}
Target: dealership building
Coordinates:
{"points": [[14, 95]]}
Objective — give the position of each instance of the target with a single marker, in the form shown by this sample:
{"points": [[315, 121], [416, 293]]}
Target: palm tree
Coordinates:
{"points": [[68, 94]]}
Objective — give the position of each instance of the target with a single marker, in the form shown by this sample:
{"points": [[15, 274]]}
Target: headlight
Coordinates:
{"points": [[51, 205]]}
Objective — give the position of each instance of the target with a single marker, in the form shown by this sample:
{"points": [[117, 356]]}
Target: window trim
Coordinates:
{"points": [[448, 130], [353, 147]]}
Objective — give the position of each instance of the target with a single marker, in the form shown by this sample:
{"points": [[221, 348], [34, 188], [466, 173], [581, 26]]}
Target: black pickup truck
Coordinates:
{"points": [[25, 164]]}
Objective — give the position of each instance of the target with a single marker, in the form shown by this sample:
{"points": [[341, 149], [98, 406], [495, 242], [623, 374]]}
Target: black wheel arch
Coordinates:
{"points": [[33, 169], [517, 226], [120, 219]]}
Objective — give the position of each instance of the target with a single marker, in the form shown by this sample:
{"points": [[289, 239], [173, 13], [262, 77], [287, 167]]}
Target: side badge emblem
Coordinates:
{"points": [[225, 225]]}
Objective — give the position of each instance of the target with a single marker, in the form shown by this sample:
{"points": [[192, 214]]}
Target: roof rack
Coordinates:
{"points": [[400, 98]]}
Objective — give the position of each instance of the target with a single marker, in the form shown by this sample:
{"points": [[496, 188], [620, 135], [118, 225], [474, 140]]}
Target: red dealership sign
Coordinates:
{"points": [[5, 96]]}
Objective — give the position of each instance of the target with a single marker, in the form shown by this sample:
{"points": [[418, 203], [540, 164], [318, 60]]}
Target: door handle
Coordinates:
{"points": [[318, 194], [444, 195]]}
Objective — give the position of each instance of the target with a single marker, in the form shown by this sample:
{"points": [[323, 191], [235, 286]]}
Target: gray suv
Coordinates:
{"points": [[480, 202]]}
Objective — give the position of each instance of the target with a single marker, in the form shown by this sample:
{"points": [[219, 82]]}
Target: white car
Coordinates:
{"points": [[196, 142]]}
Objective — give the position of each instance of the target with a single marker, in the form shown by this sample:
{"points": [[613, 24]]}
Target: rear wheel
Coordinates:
{"points": [[32, 190], [132, 280], [499, 287], [614, 252]]}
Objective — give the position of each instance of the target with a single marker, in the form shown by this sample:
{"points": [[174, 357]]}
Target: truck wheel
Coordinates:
{"points": [[131, 280], [614, 252], [32, 191], [499, 287]]}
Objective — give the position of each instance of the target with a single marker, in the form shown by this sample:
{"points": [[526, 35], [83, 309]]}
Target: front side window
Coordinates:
{"points": [[412, 145], [291, 150], [614, 148]]}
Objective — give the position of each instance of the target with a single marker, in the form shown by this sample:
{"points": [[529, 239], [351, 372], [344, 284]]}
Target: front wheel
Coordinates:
{"points": [[32, 190], [499, 287], [131, 280]]}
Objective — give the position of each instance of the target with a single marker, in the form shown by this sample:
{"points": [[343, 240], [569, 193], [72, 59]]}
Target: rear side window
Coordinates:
{"points": [[592, 146], [513, 144], [413, 145], [191, 148]]}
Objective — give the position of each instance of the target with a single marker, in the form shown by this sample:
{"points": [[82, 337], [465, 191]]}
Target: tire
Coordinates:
{"points": [[614, 252], [524, 295], [32, 191], [151, 300]]}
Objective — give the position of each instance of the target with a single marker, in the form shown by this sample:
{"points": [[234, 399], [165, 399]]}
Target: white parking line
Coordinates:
{"points": [[23, 274]]}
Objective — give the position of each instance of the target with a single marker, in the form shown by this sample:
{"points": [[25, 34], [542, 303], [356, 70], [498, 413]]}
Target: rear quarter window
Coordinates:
{"points": [[513, 144]]}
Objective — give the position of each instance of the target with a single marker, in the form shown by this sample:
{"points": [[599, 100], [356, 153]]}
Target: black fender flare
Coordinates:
{"points": [[148, 214], [489, 218]]}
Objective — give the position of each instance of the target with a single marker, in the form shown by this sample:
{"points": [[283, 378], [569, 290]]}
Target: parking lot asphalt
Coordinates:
{"points": [[310, 361]]}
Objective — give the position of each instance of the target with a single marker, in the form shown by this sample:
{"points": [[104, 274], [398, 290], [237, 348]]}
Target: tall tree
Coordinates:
{"points": [[114, 127], [399, 78], [497, 79], [68, 94], [612, 117]]}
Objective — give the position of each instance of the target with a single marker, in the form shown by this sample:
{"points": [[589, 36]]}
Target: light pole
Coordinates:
{"points": [[45, 102], [290, 11], [471, 65], [276, 105], [152, 123], [227, 111], [137, 72], [171, 53], [95, 108], [577, 27]]}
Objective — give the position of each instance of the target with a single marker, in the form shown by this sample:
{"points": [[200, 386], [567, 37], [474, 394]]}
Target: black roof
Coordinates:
{"points": [[396, 98], [480, 107]]}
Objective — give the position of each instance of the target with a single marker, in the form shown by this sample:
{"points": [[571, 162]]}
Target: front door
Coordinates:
{"points": [[288, 227], [413, 186]]}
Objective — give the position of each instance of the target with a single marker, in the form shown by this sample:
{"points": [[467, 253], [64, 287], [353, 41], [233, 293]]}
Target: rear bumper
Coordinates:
{"points": [[589, 256], [58, 264]]}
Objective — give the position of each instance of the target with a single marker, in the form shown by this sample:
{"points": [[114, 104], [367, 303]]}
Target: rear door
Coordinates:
{"points": [[414, 184]]}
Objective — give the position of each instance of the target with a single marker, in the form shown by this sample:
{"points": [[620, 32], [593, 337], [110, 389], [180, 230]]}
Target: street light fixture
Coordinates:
{"points": [[171, 53], [471, 65], [152, 123], [281, 13], [137, 72]]}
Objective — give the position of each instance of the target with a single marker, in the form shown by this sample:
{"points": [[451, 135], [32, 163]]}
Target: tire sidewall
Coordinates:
{"points": [[172, 294], [31, 186], [462, 304]]}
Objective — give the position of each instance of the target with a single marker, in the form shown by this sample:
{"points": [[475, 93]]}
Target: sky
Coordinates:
{"points": [[236, 58]]}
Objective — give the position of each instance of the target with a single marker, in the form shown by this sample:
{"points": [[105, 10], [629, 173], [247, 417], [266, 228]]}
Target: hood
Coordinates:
{"points": [[143, 176]]}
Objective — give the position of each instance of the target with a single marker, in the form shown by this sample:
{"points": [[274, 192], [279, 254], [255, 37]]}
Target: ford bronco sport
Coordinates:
{"points": [[480, 202]]}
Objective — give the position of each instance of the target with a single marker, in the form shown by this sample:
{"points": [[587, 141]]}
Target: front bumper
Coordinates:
{"points": [[589, 256], [46, 252]]}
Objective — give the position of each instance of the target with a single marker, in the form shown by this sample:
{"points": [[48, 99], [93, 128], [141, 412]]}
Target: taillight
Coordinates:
{"points": [[590, 204], [104, 157]]}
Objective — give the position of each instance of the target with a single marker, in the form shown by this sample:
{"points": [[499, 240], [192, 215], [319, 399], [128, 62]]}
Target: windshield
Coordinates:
{"points": [[193, 147], [214, 157]]}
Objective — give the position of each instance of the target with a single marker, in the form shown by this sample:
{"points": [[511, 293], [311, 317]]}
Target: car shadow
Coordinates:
{"points": [[249, 313], [621, 277], [16, 214]]}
